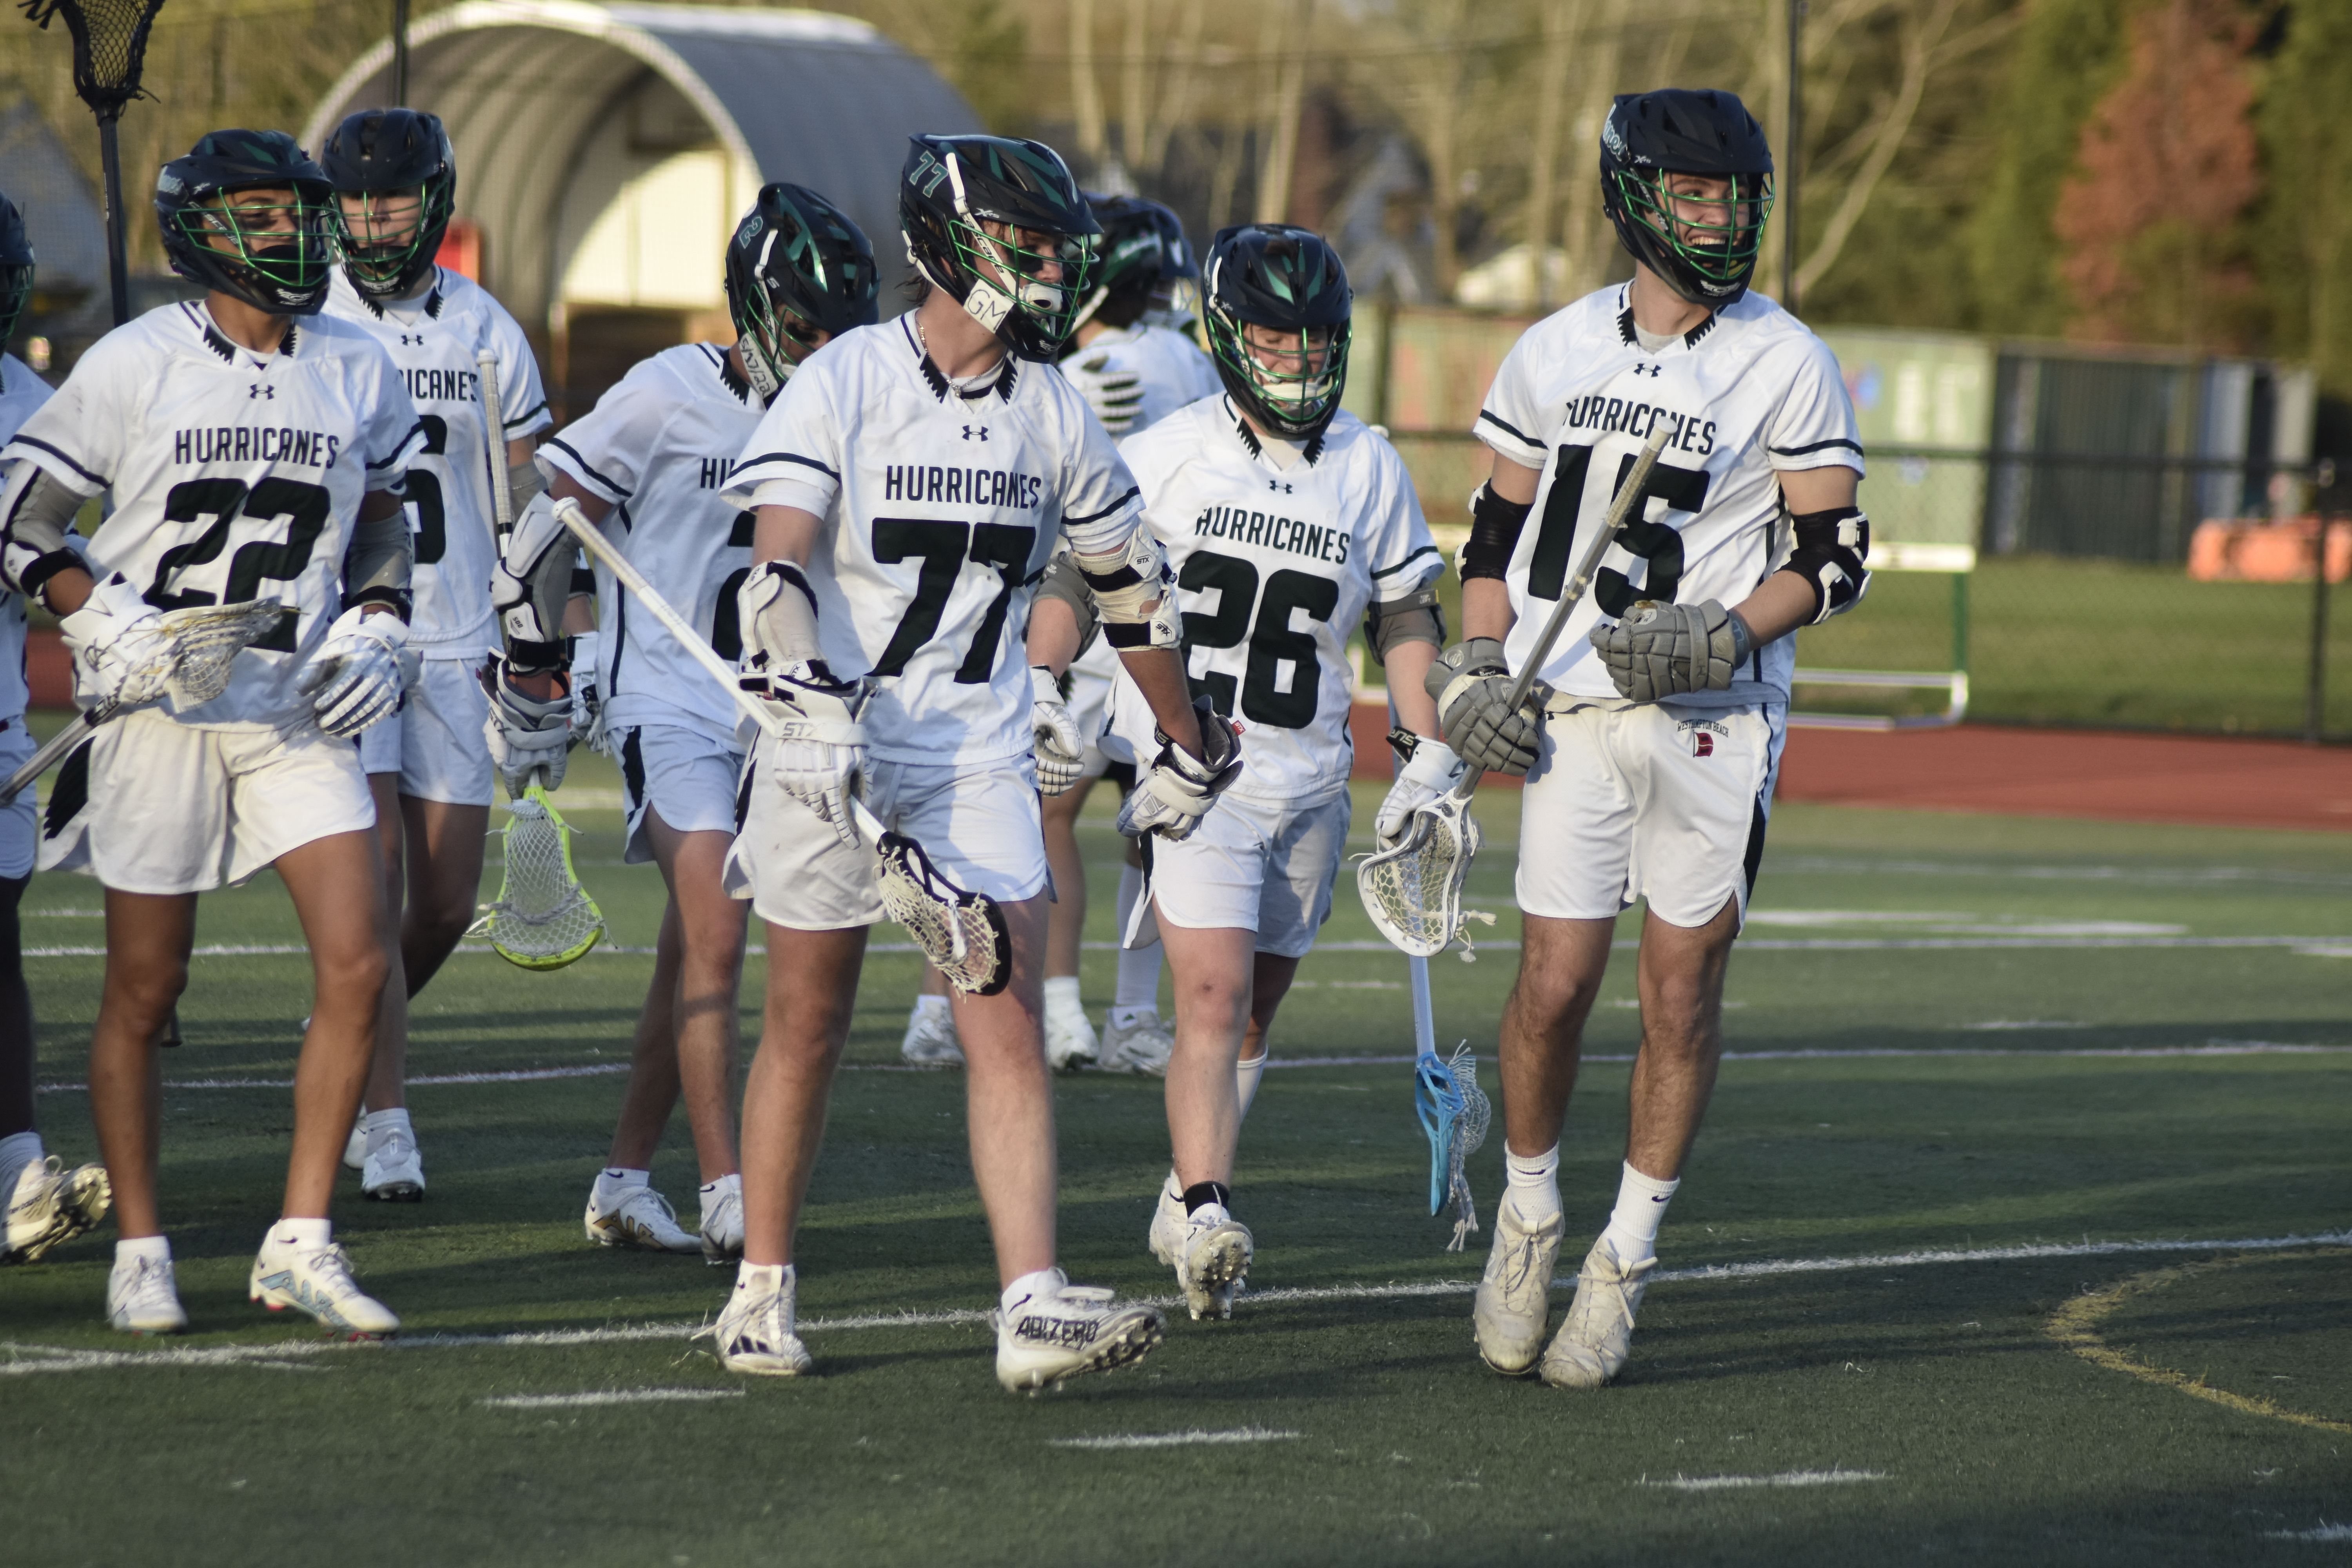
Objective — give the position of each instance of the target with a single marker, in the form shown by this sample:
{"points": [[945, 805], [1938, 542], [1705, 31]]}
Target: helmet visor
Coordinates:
{"points": [[1047, 275], [1713, 222], [285, 237], [1298, 373], [382, 232]]}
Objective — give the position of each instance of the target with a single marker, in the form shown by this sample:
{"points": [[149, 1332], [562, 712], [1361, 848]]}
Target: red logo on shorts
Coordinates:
{"points": [[1705, 745]]}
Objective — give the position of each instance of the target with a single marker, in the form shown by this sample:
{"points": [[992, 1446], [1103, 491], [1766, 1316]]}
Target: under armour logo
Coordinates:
{"points": [[1649, 370], [413, 339], [1278, 485], [258, 390], [969, 429]]}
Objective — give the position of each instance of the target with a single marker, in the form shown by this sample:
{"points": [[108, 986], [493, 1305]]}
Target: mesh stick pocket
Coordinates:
{"points": [[963, 934], [542, 919], [1413, 893]]}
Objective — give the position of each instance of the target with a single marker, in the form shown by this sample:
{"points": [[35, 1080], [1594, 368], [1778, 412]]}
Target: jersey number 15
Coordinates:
{"points": [[1683, 489]]}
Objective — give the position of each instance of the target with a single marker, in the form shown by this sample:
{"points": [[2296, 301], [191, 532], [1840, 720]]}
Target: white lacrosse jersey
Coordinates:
{"points": [[1745, 396], [659, 447], [21, 392], [433, 340], [1275, 567], [233, 476], [941, 511]]}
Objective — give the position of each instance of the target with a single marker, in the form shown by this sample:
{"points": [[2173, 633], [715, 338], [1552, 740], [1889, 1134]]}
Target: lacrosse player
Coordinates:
{"points": [[42, 1203], [1651, 741], [911, 482], [649, 464], [429, 765], [1286, 520], [252, 449], [1133, 372]]}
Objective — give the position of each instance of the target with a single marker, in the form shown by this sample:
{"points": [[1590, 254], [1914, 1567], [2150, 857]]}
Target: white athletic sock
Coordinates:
{"points": [[1062, 994], [613, 1184], [929, 1003], [1633, 1232], [714, 1192], [1034, 1283], [17, 1151], [303, 1233], [1139, 971], [1532, 1184], [1246, 1072], [381, 1125], [153, 1248]]}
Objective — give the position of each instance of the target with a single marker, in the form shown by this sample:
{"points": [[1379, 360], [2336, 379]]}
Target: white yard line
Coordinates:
{"points": [[26, 1359], [1785, 1479], [2326, 1534], [608, 1396], [1173, 1440]]}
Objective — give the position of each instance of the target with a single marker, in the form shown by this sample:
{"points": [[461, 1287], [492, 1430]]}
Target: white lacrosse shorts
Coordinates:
{"points": [[167, 807], [978, 824], [1263, 866], [436, 743], [691, 779], [20, 820], [1648, 801]]}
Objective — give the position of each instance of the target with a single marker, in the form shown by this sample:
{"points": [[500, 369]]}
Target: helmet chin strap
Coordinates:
{"points": [[766, 379]]}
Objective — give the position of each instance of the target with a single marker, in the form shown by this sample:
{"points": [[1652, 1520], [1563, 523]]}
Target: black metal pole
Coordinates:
{"points": [[117, 270], [1796, 117], [400, 54]]}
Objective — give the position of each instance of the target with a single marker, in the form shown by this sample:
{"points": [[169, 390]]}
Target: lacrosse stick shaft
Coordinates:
{"points": [[1424, 1017], [53, 751], [118, 271], [603, 549], [494, 433], [1621, 508]]}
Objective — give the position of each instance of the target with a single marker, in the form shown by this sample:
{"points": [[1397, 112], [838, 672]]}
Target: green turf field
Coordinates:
{"points": [[1988, 1069]]}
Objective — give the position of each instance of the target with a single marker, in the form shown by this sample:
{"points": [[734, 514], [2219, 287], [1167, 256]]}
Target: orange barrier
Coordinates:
{"points": [[2232, 552]]}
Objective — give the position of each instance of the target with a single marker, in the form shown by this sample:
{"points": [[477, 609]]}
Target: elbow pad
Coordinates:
{"points": [[530, 586], [1062, 581], [1832, 546], [1494, 533], [777, 610], [1134, 592], [379, 563], [1416, 617], [524, 481], [38, 512]]}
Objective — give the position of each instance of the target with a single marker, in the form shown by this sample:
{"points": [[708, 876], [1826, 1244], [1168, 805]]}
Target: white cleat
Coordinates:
{"points": [[1141, 1047], [1070, 1042], [1593, 1345], [1214, 1262], [755, 1332], [722, 1224], [1167, 1236], [318, 1279], [1515, 1297], [1067, 1330], [393, 1171], [932, 1040], [641, 1219], [355, 1146], [50, 1204], [141, 1298]]}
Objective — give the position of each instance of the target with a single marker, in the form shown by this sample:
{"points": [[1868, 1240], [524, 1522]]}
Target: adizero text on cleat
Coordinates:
{"points": [[1214, 1262], [393, 1171], [755, 1331], [50, 1204], [142, 1298], [1066, 1330], [1515, 1294], [1593, 1345], [639, 1217], [318, 1281]]}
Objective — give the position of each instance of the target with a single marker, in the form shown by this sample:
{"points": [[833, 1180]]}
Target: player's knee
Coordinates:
{"points": [[357, 973], [150, 991]]}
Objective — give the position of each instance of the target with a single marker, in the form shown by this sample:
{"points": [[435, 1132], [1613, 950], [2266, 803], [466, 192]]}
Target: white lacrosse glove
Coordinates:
{"points": [[1432, 770], [527, 735], [815, 744], [587, 695], [1176, 793], [121, 654], [1060, 752], [1114, 395], [355, 678], [1665, 650]]}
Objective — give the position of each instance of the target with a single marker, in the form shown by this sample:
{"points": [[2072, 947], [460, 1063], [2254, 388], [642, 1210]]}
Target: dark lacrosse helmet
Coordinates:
{"points": [[1143, 255], [1290, 279], [277, 257], [952, 186], [381, 152], [16, 269], [796, 266], [1648, 135]]}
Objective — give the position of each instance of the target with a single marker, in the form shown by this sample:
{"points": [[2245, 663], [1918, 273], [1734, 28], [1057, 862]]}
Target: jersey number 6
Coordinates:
{"points": [[1683, 489]]}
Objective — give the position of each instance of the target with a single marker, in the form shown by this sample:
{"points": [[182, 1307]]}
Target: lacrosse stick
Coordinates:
{"points": [[201, 643], [543, 918], [962, 933], [109, 46], [494, 431], [1413, 893]]}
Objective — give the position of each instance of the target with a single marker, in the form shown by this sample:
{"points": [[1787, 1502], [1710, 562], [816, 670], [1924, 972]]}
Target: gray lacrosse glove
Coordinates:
{"points": [[1473, 688], [356, 676], [121, 653], [1664, 650], [1114, 395], [1176, 793], [527, 735], [1061, 754]]}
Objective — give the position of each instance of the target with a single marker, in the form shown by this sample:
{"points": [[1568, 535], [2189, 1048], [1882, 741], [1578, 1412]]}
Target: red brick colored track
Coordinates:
{"points": [[2209, 781]]}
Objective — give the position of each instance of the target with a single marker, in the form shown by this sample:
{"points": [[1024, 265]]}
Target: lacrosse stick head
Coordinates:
{"points": [[204, 640], [1413, 891], [543, 918], [1454, 1114], [963, 934], [109, 45]]}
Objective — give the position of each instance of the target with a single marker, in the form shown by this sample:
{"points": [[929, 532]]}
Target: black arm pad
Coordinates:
{"points": [[1832, 546], [1494, 533]]}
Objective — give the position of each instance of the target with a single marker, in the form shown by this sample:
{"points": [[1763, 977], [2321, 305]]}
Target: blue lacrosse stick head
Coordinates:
{"points": [[1437, 1096]]}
